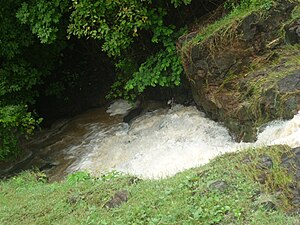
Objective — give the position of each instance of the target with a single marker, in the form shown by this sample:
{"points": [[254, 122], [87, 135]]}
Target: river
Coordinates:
{"points": [[161, 142]]}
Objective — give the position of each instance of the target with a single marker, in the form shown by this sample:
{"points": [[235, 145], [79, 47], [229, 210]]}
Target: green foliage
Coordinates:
{"points": [[116, 23], [234, 4], [112, 175], [43, 17], [121, 24], [17, 79], [14, 36], [78, 177], [163, 69], [14, 118], [178, 3], [24, 63]]}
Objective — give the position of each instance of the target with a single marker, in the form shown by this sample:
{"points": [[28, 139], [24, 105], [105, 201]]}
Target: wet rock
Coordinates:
{"points": [[47, 166], [266, 201], [292, 32], [133, 114], [218, 185], [291, 162], [226, 89], [290, 83], [119, 198], [249, 26]]}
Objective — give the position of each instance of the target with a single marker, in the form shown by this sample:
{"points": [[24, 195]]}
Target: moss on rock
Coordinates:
{"points": [[244, 73]]}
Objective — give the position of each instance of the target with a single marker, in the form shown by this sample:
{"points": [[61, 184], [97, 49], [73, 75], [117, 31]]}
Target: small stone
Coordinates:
{"points": [[262, 178], [133, 180], [72, 199], [119, 198], [255, 195], [265, 163], [268, 205], [246, 160], [296, 201], [218, 185]]}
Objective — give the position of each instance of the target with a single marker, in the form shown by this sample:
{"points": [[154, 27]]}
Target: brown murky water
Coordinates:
{"points": [[51, 149], [55, 150]]}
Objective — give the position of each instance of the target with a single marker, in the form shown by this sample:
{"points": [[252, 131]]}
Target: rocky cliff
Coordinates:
{"points": [[245, 70]]}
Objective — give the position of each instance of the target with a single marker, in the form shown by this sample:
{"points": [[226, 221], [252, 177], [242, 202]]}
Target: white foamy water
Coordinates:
{"points": [[281, 132], [119, 107], [165, 142]]}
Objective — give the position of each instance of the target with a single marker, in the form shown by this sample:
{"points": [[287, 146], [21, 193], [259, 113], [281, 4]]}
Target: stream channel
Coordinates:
{"points": [[161, 142]]}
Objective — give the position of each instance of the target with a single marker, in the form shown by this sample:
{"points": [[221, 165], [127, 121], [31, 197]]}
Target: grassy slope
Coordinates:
{"points": [[183, 199]]}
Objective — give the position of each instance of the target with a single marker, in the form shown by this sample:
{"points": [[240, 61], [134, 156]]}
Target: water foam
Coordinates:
{"points": [[282, 132], [163, 143], [119, 107]]}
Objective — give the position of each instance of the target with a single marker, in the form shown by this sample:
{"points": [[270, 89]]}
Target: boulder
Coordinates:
{"points": [[244, 74]]}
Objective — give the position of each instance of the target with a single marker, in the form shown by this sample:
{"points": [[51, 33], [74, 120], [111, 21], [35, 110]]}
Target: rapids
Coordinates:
{"points": [[160, 143]]}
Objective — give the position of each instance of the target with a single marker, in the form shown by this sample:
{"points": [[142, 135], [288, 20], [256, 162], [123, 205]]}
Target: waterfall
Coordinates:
{"points": [[164, 142], [159, 143]]}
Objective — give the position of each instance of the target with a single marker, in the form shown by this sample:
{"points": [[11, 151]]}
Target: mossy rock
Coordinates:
{"points": [[245, 74]]}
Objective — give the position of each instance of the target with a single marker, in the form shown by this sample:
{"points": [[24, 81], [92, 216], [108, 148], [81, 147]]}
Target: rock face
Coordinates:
{"points": [[292, 31], [245, 74]]}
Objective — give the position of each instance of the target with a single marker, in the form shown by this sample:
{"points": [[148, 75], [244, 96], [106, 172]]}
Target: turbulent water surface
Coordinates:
{"points": [[159, 143]]}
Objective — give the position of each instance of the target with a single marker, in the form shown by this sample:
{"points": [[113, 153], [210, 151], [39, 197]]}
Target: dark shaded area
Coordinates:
{"points": [[181, 94], [187, 15], [133, 114], [292, 32], [82, 79]]}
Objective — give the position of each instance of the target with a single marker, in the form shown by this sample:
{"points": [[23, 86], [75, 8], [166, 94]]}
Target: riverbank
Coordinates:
{"points": [[255, 186]]}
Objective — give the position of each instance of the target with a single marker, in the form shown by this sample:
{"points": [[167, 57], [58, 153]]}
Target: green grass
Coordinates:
{"points": [[230, 21], [186, 198]]}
